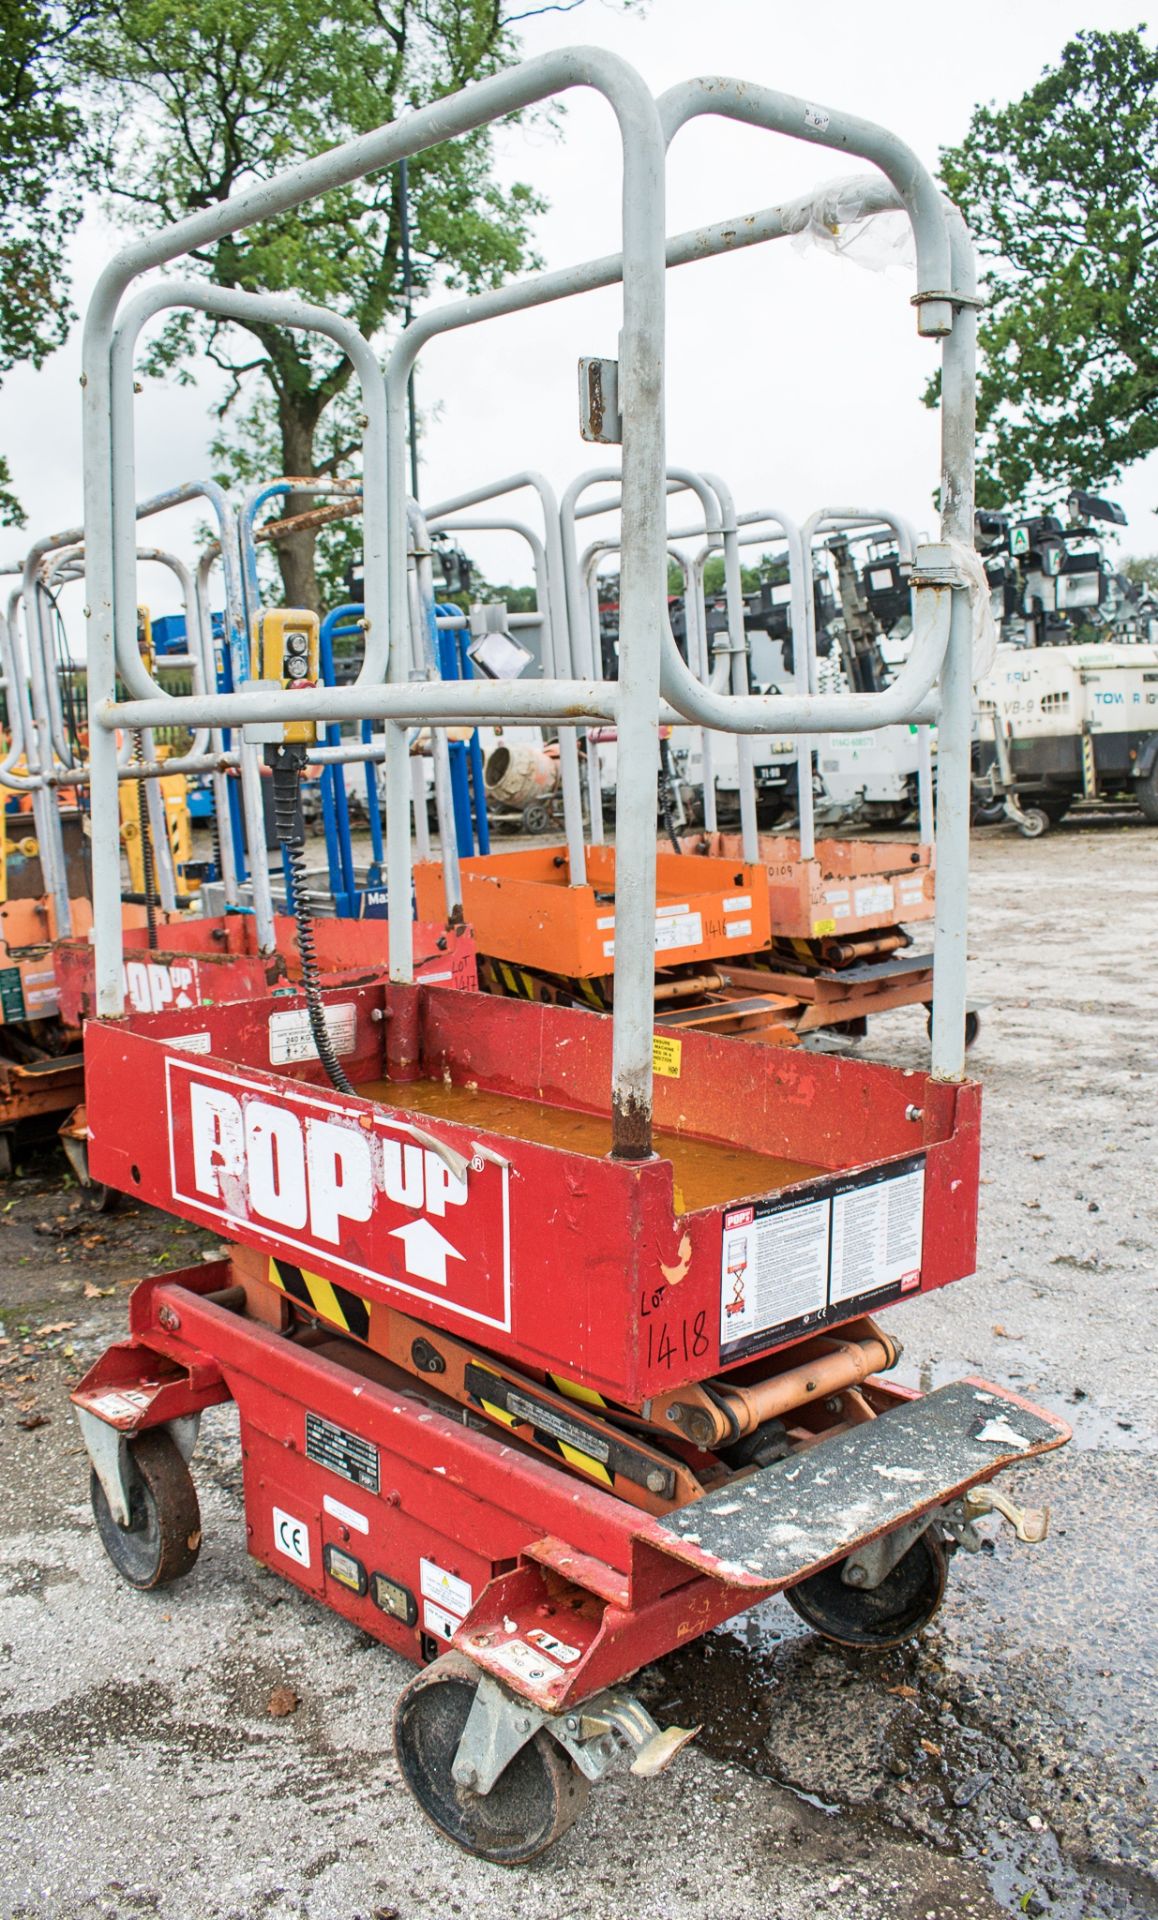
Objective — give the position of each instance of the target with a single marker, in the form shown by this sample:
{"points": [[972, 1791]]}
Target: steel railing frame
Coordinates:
{"points": [[556, 632], [635, 705], [642, 360]]}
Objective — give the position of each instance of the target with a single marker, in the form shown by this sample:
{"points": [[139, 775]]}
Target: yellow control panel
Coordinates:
{"points": [[286, 648]]}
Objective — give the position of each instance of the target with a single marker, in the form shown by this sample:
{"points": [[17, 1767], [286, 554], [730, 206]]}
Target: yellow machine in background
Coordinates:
{"points": [[174, 790]]}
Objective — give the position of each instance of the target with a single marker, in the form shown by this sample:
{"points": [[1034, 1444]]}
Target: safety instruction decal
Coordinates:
{"points": [[775, 1268], [291, 1039], [790, 1264], [666, 1055], [876, 1236]]}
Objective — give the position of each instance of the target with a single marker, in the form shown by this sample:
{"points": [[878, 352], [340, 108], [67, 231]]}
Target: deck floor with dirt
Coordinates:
{"points": [[1004, 1765]]}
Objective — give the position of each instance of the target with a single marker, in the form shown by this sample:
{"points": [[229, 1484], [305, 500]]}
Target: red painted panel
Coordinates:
{"points": [[565, 1260]]}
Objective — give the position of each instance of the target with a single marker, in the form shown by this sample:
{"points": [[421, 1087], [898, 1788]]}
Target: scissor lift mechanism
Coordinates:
{"points": [[515, 1407]]}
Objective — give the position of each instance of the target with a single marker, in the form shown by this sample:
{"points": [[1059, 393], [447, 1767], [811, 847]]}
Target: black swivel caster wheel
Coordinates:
{"points": [[163, 1537], [538, 1795], [876, 1617]]}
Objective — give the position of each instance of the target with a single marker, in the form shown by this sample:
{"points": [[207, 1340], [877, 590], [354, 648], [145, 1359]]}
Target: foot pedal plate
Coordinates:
{"points": [[772, 1528]]}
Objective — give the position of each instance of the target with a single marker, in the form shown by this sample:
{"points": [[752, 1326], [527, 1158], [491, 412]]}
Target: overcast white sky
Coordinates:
{"points": [[795, 376]]}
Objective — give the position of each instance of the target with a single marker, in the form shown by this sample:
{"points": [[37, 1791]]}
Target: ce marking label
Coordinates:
{"points": [[291, 1537]]}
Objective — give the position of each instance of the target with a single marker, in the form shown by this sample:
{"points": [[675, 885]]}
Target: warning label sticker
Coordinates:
{"points": [[876, 1236], [666, 1055], [674, 927], [526, 1663], [873, 899], [678, 928], [290, 1038], [790, 1264], [445, 1589], [775, 1268], [192, 1042], [438, 1621]]}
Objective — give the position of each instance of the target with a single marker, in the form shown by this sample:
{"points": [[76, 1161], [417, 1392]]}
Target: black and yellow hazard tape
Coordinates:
{"points": [[573, 1391], [594, 1449], [332, 1303]]}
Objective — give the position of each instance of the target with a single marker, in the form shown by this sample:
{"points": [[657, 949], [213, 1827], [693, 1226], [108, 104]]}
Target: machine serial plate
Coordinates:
{"points": [[343, 1453]]}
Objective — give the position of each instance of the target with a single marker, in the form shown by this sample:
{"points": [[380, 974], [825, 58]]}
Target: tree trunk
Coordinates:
{"points": [[297, 555]]}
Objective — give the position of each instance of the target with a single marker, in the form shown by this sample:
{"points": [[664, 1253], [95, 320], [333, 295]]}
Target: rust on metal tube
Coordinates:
{"points": [[630, 1129]]}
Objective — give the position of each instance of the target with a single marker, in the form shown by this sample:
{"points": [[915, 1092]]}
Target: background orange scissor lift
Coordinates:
{"points": [[542, 937], [839, 951], [800, 935]]}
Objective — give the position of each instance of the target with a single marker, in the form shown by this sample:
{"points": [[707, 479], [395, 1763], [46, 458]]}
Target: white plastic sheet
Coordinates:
{"points": [[981, 603], [855, 217]]}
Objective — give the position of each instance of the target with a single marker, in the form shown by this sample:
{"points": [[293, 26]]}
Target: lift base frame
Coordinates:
{"points": [[428, 1534]]}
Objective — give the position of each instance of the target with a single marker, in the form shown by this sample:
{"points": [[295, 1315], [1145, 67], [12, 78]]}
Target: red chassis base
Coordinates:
{"points": [[535, 1591], [206, 962], [427, 1533]]}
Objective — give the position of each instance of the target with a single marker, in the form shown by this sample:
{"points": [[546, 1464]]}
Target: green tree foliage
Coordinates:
{"points": [[1142, 568], [39, 202], [204, 97], [768, 567], [1061, 191]]}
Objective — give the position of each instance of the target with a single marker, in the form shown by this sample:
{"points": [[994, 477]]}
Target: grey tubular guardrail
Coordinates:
{"points": [[642, 387]]}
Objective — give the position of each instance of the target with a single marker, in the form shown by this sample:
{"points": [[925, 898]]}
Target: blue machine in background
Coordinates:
{"points": [[466, 765], [351, 902], [368, 900]]}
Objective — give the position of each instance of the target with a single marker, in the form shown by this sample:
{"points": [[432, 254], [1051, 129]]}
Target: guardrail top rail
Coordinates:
{"points": [[633, 704]]}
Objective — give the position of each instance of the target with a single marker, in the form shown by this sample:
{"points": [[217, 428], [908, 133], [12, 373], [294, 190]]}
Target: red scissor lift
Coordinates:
{"points": [[530, 1413], [528, 1422]]}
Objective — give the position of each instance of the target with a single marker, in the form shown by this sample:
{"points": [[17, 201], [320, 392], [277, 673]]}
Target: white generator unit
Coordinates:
{"points": [[1063, 723]]}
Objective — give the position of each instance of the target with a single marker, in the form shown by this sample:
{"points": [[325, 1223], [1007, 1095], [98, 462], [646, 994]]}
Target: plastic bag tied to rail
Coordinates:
{"points": [[846, 217], [981, 606]]}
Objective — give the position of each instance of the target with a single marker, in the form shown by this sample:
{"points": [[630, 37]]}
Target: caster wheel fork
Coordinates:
{"points": [[538, 1794], [503, 1778]]}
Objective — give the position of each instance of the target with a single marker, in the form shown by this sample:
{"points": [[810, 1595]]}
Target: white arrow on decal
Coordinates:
{"points": [[427, 1251]]}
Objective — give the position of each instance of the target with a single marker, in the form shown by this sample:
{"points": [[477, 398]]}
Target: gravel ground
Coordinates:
{"points": [[1006, 1764]]}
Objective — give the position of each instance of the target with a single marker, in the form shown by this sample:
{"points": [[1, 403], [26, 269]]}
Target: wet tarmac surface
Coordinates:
{"points": [[1003, 1764]]}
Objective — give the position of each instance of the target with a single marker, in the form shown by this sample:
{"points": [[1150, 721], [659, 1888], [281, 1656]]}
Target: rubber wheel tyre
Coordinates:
{"points": [[536, 817], [163, 1537], [102, 1199], [538, 1795], [878, 1617], [1147, 794], [987, 813], [1034, 822]]}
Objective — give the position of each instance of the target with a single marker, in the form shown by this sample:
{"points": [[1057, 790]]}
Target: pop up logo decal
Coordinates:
{"points": [[361, 1197]]}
